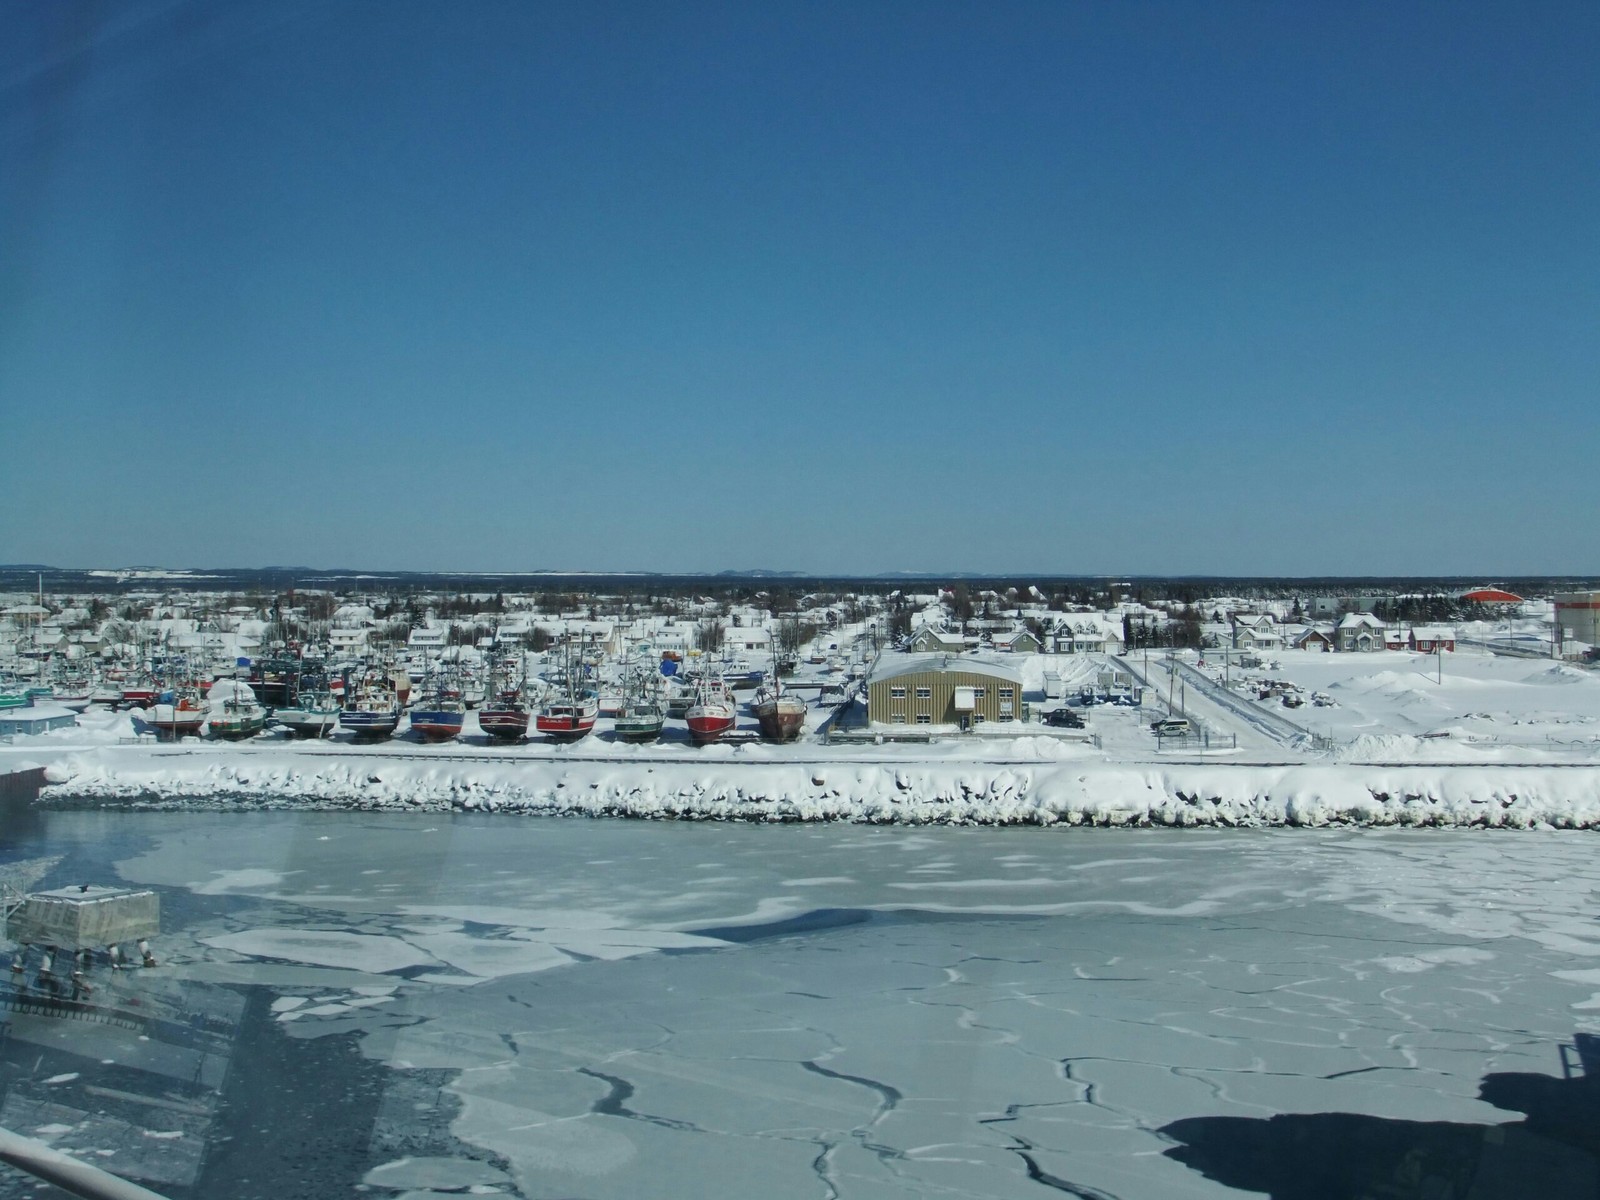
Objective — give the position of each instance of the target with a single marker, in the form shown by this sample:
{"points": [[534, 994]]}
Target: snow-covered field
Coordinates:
{"points": [[1388, 704], [1499, 742]]}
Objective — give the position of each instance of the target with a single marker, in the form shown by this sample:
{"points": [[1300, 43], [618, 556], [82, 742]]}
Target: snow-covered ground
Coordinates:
{"points": [[1500, 741], [619, 1009], [1390, 704]]}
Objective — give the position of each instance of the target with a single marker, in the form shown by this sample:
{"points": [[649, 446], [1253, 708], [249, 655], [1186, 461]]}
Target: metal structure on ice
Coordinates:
{"points": [[78, 921]]}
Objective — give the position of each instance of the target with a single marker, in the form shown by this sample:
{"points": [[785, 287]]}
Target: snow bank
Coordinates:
{"points": [[951, 792]]}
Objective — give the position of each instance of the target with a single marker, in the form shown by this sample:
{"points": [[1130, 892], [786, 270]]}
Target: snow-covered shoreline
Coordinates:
{"points": [[969, 792]]}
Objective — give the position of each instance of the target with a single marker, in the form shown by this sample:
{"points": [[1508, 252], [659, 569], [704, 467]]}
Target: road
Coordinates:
{"points": [[1210, 721], [1513, 649], [1222, 711]]}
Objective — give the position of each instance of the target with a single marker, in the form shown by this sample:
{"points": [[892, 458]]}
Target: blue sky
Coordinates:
{"points": [[1060, 288]]}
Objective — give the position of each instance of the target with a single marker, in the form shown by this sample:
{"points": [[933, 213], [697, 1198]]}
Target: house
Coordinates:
{"points": [[929, 640], [747, 637], [1360, 632], [429, 637], [1257, 631], [1017, 641], [1314, 638], [347, 640], [1086, 633], [941, 689], [35, 718], [1432, 639], [516, 632]]}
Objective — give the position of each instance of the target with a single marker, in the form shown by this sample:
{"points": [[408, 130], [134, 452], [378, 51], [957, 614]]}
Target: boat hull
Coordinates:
{"points": [[563, 727], [307, 723], [780, 721], [504, 724], [237, 729], [637, 729], [170, 723], [369, 726], [708, 722], [437, 725]]}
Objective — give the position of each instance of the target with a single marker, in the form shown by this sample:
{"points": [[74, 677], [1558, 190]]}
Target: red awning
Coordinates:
{"points": [[1491, 596]]}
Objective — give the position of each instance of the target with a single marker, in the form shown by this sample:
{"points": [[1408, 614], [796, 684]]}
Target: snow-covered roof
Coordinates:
{"points": [[1357, 620], [1089, 624], [890, 666], [1013, 635]]}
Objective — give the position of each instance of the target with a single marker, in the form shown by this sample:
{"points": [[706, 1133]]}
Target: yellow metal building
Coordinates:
{"points": [[942, 689]]}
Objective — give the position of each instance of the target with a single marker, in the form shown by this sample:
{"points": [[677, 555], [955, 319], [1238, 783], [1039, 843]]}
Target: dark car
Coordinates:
{"points": [[1063, 718]]}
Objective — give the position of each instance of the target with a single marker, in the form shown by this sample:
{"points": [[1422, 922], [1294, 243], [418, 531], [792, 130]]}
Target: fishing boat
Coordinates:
{"points": [[235, 713], [312, 715], [568, 718], [438, 718], [140, 692], [313, 711], [712, 713], [639, 717], [440, 713], [73, 692], [679, 700], [273, 679], [779, 714], [372, 709], [739, 675], [77, 700], [570, 713], [504, 715], [178, 713], [107, 691]]}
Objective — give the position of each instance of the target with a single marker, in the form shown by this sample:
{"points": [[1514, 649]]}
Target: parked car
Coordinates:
{"points": [[1063, 718], [1170, 726]]}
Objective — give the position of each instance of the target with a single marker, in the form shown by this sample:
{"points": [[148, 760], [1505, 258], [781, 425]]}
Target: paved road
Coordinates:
{"points": [[1231, 712], [1210, 722], [1272, 723]]}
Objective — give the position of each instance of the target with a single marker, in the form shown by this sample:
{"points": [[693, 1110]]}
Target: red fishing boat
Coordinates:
{"points": [[712, 713], [570, 713]]}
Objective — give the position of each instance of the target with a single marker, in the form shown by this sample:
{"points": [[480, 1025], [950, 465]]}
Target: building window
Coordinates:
{"points": [[897, 693], [979, 693], [977, 718], [924, 693], [898, 719], [924, 719], [1007, 694]]}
